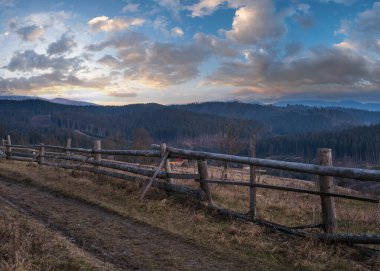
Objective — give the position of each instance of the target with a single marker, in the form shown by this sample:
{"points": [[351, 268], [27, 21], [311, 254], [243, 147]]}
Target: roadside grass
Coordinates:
{"points": [[28, 245], [181, 216]]}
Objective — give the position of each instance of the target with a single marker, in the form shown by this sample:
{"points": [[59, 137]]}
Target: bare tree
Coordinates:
{"points": [[230, 142]]}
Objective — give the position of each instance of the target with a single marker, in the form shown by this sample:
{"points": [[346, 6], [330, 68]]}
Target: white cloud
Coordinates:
{"points": [[131, 7], [8, 3], [103, 23], [256, 23], [177, 31], [205, 7]]}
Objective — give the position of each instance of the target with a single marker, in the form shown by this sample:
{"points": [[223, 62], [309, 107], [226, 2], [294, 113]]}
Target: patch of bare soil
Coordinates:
{"points": [[121, 241]]}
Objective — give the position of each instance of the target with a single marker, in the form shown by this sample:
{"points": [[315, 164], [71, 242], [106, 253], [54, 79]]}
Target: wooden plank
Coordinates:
{"points": [[97, 147], [167, 166], [22, 159], [127, 167], [41, 154], [327, 186], [252, 180], [154, 176], [343, 172], [292, 189], [196, 193], [349, 238], [203, 175], [144, 153]]}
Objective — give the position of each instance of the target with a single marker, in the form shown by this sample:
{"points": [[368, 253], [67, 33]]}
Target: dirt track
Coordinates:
{"points": [[125, 243]]}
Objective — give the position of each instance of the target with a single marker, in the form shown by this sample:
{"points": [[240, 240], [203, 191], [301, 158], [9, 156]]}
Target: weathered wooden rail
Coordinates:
{"points": [[162, 177]]}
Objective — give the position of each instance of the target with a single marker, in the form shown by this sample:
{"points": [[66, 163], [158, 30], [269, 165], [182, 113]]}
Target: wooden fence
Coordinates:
{"points": [[162, 177]]}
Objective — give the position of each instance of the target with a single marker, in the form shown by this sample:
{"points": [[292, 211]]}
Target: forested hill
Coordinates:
{"points": [[352, 146], [34, 121], [294, 119], [203, 125]]}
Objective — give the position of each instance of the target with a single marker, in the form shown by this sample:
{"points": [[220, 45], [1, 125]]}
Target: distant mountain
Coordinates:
{"points": [[70, 102], [19, 98], [342, 104], [55, 100]]}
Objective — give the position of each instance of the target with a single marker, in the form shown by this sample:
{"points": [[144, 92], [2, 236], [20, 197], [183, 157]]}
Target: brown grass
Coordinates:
{"points": [[28, 245], [246, 241]]}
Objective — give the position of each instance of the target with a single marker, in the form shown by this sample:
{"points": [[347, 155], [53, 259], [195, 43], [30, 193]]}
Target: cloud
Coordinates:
{"points": [[215, 45], [8, 3], [362, 33], [204, 7], [65, 44], [256, 23], [110, 61], [344, 2], [293, 48], [28, 60], [48, 81], [321, 70], [30, 32], [173, 6], [103, 23], [131, 7], [177, 32], [122, 94], [152, 63]]}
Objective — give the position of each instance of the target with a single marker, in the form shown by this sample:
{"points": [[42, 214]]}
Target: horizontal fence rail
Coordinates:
{"points": [[351, 173], [90, 160]]}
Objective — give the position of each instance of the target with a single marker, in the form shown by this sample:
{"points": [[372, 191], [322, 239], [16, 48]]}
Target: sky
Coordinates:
{"points": [[115, 52]]}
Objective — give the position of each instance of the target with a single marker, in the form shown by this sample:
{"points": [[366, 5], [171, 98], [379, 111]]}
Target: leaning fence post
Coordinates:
{"points": [[326, 184], [167, 166], [252, 180], [97, 147], [8, 148], [41, 154], [203, 176]]}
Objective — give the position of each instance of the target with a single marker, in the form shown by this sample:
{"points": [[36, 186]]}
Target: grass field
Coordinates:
{"points": [[247, 242]]}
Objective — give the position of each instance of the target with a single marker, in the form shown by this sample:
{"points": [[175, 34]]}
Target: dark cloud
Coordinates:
{"points": [[48, 80], [28, 60], [153, 63], [65, 44], [30, 32], [322, 69], [122, 94], [293, 48]]}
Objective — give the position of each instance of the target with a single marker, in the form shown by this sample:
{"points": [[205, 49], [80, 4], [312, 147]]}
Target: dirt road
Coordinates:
{"points": [[123, 242]]}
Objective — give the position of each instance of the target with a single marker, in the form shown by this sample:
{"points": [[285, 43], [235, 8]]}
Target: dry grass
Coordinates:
{"points": [[248, 242], [28, 245], [289, 208]]}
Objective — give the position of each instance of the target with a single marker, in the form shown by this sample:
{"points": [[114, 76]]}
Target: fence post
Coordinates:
{"points": [[97, 147], [3, 144], [167, 166], [252, 180], [68, 145], [41, 153], [326, 184], [8, 149], [203, 176]]}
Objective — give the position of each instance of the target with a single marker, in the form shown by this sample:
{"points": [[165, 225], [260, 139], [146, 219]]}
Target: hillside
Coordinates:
{"points": [[33, 121], [289, 120]]}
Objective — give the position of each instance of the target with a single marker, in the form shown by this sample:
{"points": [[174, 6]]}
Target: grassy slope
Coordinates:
{"points": [[250, 243]]}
